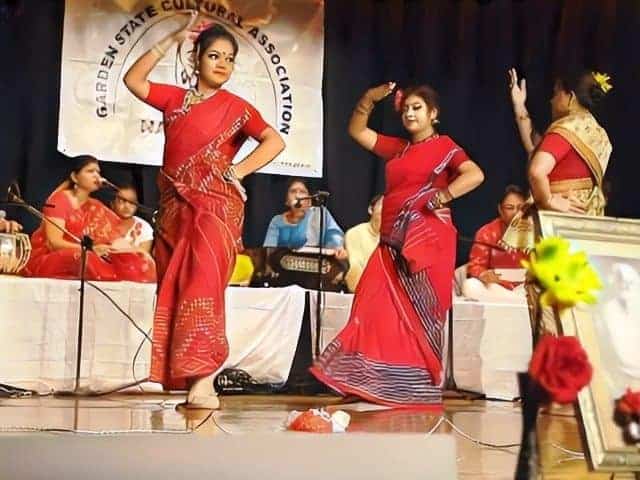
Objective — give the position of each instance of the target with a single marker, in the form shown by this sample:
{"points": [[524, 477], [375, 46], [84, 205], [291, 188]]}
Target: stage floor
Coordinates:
{"points": [[492, 422]]}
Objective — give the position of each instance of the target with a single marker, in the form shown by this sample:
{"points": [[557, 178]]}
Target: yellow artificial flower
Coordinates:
{"points": [[566, 278], [602, 79]]}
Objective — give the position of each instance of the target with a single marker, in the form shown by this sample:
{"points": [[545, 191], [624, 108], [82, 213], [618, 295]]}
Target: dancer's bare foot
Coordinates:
{"points": [[202, 395], [207, 402]]}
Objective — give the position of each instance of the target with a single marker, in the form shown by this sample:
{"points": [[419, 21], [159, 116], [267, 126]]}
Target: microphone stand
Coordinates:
{"points": [[320, 200], [86, 244]]}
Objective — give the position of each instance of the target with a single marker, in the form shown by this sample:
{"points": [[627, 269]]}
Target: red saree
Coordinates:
{"points": [[199, 230], [390, 351], [97, 221]]}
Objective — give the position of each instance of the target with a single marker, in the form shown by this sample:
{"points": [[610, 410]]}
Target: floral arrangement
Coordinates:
{"points": [[561, 367], [566, 278], [627, 415]]}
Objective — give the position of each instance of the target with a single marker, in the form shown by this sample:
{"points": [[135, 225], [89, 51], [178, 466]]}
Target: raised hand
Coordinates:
{"points": [[188, 30], [518, 90], [381, 91]]}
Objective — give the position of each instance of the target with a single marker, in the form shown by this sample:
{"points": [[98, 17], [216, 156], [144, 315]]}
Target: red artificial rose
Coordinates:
{"points": [[629, 403], [561, 366]]}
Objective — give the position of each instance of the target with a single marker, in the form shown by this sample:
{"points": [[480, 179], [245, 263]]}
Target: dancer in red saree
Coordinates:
{"points": [[390, 352], [201, 208], [56, 255]]}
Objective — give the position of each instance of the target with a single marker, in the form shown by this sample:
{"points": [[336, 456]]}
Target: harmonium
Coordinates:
{"points": [[280, 267]]}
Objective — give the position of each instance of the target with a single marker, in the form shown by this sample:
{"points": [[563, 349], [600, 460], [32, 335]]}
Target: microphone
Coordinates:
{"points": [[319, 194], [14, 197], [113, 186], [107, 183]]}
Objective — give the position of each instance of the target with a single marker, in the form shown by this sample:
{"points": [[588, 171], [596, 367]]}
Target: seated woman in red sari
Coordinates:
{"points": [[488, 261], [57, 255], [390, 351], [199, 225]]}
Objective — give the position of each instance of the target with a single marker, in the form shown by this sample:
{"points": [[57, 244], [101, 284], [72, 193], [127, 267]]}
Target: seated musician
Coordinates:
{"points": [[299, 225], [361, 241], [9, 226], [56, 254], [484, 282], [136, 233]]}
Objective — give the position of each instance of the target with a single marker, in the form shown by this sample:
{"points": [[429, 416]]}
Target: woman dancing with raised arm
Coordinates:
{"points": [[390, 352], [568, 162], [566, 168], [201, 208]]}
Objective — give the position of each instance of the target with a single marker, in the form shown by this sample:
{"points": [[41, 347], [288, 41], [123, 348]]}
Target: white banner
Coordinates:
{"points": [[278, 70]]}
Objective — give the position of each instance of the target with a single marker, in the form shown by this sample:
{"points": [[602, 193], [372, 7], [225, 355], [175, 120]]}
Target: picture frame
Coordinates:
{"points": [[606, 330]]}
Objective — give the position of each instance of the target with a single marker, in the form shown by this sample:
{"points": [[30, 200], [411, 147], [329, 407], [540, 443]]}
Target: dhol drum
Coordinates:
{"points": [[15, 250]]}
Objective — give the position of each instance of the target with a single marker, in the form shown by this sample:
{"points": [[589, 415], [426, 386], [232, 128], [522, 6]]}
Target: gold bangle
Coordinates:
{"points": [[363, 108], [158, 50], [524, 116]]}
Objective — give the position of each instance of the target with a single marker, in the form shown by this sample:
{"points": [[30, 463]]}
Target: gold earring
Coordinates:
{"points": [[435, 121]]}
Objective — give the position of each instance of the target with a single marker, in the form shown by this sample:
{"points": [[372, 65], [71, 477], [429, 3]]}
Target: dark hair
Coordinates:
{"points": [[290, 183], [427, 93], [79, 163], [82, 161], [210, 35], [512, 190], [582, 82], [128, 186], [293, 180], [374, 200]]}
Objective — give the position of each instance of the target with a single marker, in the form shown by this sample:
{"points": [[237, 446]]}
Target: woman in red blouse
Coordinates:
{"points": [[201, 207], [569, 161], [57, 255], [567, 165], [390, 352]]}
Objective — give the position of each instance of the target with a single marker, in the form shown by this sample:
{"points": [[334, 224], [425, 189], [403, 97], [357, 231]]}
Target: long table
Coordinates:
{"points": [[267, 329]]}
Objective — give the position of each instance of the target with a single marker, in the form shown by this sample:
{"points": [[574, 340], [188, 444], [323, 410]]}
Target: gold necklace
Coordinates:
{"points": [[428, 137], [433, 136], [193, 97]]}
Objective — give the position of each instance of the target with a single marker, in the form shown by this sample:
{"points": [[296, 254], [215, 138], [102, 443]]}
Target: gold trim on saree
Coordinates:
{"points": [[562, 186], [588, 138]]}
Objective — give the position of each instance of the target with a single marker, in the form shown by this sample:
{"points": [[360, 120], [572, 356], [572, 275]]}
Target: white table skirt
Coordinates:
{"points": [[492, 343], [39, 319]]}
